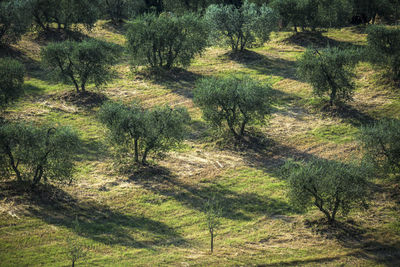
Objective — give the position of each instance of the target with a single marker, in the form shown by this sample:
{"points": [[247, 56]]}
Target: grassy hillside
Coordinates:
{"points": [[154, 216]]}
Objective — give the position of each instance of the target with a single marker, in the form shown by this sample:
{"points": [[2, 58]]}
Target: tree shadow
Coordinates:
{"points": [[236, 206], [347, 113], [86, 100], [265, 65], [178, 80], [97, 221], [317, 40], [352, 235]]}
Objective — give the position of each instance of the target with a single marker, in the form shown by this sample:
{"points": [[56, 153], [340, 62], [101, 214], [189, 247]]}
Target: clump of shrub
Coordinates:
{"points": [[384, 48], [241, 26], [11, 80], [330, 72], [234, 101], [380, 142], [166, 40], [37, 153], [137, 132], [81, 62], [333, 187]]}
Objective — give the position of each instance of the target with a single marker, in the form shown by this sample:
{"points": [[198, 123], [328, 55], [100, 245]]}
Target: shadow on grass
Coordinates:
{"points": [[236, 206], [352, 235], [97, 221], [265, 65], [179, 81], [348, 113], [317, 40]]}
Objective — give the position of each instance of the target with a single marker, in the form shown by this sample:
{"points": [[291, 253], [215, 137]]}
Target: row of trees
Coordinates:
{"points": [[16, 16]]}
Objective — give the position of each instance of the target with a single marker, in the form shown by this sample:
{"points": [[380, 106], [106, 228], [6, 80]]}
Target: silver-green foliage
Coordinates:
{"points": [[166, 40], [329, 71], [333, 187], [241, 27], [11, 80], [138, 131], [65, 13], [235, 100], [15, 19], [36, 153], [81, 62], [381, 144]]}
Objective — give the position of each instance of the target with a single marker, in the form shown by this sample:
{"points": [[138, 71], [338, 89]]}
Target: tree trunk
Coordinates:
{"points": [[333, 96], [212, 240], [144, 161], [242, 128], [13, 165], [136, 150], [38, 176]]}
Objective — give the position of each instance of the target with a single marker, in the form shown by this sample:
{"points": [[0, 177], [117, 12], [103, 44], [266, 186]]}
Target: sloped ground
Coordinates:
{"points": [[154, 216]]}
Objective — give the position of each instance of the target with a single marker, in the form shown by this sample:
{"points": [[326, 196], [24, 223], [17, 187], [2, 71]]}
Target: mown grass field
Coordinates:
{"points": [[154, 216]]}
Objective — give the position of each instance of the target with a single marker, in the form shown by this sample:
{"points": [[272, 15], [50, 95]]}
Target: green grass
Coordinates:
{"points": [[338, 134], [155, 216]]}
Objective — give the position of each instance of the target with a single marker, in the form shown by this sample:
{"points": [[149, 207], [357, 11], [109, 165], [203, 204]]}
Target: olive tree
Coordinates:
{"points": [[384, 48], [313, 13], [329, 72], [11, 80], [140, 131], [241, 26], [213, 212], [81, 62], [36, 153], [235, 100], [65, 13], [166, 40], [118, 10], [380, 142], [15, 19], [333, 187]]}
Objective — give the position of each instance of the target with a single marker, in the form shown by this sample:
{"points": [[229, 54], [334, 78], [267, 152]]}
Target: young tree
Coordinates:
{"points": [[11, 80], [333, 187], [384, 48], [329, 71], [15, 19], [143, 131], [81, 62], [381, 144], [75, 249], [237, 101], [166, 40], [37, 153], [213, 213], [241, 26]]}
